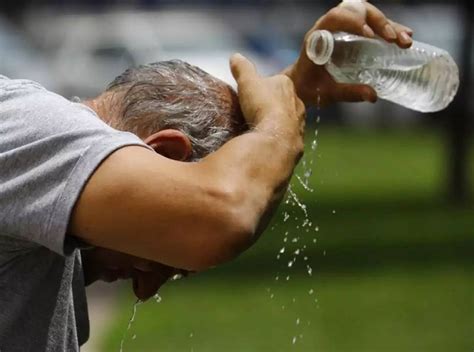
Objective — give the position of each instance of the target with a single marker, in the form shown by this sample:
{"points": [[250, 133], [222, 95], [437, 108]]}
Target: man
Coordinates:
{"points": [[69, 181]]}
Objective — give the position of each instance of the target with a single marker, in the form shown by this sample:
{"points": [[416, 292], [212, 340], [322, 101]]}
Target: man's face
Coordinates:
{"points": [[106, 265]]}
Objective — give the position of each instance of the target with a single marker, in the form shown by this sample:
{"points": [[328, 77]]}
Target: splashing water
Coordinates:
{"points": [[130, 322], [294, 240], [297, 201], [157, 298]]}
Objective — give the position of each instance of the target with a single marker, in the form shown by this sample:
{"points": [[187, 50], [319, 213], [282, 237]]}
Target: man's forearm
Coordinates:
{"points": [[259, 164]]}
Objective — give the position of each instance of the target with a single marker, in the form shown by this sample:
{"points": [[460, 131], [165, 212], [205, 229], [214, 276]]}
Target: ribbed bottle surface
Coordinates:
{"points": [[422, 78]]}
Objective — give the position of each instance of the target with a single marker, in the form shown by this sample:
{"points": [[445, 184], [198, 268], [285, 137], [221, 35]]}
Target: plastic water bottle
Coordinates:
{"points": [[422, 78]]}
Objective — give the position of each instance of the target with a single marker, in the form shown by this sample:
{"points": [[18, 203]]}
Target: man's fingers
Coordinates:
{"points": [[242, 69], [343, 19], [363, 18], [404, 34], [353, 93], [380, 24]]}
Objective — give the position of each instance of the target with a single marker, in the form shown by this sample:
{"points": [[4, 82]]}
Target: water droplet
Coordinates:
{"points": [[282, 250], [157, 298], [271, 296], [294, 340], [305, 258], [134, 336], [130, 322], [324, 253], [286, 216], [297, 201], [290, 264], [285, 239], [311, 291], [334, 211], [298, 321], [288, 278], [315, 240], [304, 183], [297, 252], [277, 278], [282, 307], [316, 228], [310, 270], [176, 277], [191, 335], [314, 145]]}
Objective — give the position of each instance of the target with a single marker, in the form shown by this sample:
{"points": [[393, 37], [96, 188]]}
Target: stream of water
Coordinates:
{"points": [[293, 249]]}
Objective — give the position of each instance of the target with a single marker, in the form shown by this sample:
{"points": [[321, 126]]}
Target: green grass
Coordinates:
{"points": [[393, 264], [394, 310]]}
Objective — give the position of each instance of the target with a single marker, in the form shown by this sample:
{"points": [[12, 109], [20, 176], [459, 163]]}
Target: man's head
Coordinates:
{"points": [[184, 114], [170, 102]]}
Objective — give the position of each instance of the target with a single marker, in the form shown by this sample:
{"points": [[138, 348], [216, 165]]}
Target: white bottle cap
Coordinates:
{"points": [[320, 46]]}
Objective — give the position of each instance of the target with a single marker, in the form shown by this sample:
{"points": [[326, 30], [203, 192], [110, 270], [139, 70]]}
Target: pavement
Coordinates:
{"points": [[102, 299]]}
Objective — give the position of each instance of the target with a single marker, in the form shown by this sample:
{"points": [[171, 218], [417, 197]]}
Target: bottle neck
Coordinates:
{"points": [[320, 46]]}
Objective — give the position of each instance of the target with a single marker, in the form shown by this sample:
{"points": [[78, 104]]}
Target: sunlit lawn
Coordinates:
{"points": [[393, 265]]}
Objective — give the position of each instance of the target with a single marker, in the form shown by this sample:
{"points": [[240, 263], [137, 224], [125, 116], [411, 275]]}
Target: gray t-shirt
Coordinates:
{"points": [[49, 147]]}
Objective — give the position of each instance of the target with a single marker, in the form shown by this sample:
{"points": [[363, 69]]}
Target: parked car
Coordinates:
{"points": [[88, 51], [19, 59]]}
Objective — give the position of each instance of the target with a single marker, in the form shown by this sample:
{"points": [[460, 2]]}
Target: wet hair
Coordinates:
{"points": [[176, 95]]}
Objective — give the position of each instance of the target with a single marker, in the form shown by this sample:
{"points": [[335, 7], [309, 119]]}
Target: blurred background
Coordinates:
{"points": [[385, 261]]}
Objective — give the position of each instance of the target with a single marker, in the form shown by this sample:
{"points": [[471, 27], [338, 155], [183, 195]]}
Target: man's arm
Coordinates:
{"points": [[313, 83], [196, 215]]}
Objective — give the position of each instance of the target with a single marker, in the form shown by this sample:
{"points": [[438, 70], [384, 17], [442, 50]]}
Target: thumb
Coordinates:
{"points": [[242, 68], [354, 93]]}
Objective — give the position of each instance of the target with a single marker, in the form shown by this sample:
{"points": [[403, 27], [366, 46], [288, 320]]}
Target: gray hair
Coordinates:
{"points": [[176, 95]]}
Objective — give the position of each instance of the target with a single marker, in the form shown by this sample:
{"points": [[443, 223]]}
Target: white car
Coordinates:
{"points": [[90, 50], [18, 58]]}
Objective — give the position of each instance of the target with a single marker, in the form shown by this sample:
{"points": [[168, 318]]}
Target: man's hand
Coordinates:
{"points": [[272, 98], [313, 83]]}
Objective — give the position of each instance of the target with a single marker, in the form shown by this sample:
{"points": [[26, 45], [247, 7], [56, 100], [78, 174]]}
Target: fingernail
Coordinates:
{"points": [[405, 38], [389, 32], [368, 32]]}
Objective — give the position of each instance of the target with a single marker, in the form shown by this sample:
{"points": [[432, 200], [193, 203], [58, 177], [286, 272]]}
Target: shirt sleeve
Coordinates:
{"points": [[49, 149]]}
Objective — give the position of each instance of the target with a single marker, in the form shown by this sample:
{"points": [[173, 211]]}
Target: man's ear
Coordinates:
{"points": [[170, 143]]}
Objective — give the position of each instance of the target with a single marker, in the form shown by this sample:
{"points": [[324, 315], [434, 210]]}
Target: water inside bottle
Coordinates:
{"points": [[422, 78]]}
